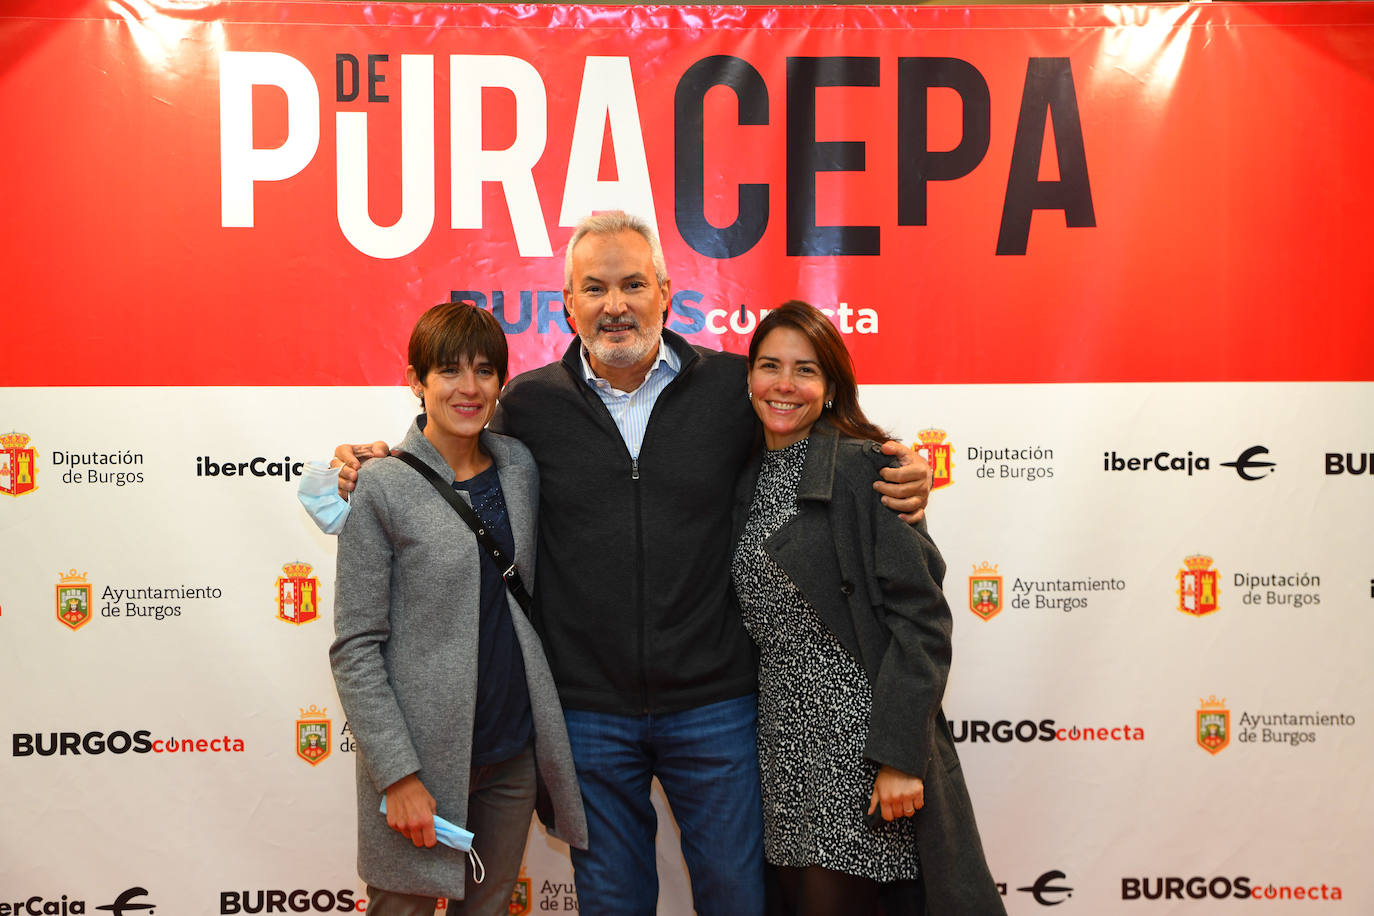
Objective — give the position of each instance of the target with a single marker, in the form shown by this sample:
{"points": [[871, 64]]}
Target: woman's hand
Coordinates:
{"points": [[410, 810], [899, 795]]}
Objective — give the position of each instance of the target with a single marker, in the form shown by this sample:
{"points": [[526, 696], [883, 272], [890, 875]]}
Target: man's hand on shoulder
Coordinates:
{"points": [[348, 458], [905, 489]]}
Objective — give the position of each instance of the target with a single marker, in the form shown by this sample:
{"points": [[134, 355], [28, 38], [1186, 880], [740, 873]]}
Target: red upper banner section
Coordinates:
{"points": [[269, 193]]}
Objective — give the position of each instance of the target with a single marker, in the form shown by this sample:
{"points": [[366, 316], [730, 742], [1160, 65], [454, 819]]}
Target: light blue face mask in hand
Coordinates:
{"points": [[318, 491], [450, 834]]}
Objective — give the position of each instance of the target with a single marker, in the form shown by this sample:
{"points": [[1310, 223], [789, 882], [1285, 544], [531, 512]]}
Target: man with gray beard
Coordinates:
{"points": [[639, 436]]}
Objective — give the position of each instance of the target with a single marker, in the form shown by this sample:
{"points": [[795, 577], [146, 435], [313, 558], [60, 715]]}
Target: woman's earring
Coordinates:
{"points": [[829, 405], [748, 392]]}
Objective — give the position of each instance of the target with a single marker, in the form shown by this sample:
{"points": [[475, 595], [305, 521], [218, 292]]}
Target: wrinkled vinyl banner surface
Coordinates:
{"points": [[1107, 266], [1088, 194]]}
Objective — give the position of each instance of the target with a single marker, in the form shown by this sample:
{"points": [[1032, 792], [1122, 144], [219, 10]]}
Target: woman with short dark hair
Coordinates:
{"points": [[444, 682]]}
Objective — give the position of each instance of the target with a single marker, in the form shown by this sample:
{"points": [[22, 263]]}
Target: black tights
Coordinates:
{"points": [[817, 891]]}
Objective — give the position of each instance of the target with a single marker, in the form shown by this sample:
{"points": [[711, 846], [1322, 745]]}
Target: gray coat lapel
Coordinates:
{"points": [[520, 484], [804, 547]]}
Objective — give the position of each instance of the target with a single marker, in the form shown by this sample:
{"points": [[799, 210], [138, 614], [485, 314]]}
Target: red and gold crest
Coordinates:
{"points": [[985, 591], [520, 904], [73, 600], [312, 735], [18, 465], [1198, 586], [939, 454], [298, 594], [1213, 725]]}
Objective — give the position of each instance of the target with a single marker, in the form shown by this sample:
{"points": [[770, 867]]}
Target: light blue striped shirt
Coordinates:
{"points": [[630, 409]]}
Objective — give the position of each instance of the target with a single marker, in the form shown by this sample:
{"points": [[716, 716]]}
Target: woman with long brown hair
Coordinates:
{"points": [[861, 783]]}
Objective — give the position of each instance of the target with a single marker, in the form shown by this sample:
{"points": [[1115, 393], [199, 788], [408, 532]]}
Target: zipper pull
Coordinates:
{"points": [[634, 468]]}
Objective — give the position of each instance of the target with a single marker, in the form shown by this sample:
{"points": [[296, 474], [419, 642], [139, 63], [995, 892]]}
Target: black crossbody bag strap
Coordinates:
{"points": [[511, 575]]}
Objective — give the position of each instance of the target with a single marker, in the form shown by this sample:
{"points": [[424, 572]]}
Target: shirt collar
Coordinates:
{"points": [[666, 357]]}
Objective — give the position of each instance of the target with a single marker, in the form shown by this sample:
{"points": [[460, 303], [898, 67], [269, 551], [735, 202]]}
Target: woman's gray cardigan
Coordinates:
{"points": [[405, 657], [875, 583]]}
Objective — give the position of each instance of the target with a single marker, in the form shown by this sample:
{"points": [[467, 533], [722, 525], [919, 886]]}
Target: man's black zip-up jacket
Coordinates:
{"points": [[634, 601]]}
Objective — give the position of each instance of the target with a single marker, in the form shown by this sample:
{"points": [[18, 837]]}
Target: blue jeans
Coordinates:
{"points": [[707, 761]]}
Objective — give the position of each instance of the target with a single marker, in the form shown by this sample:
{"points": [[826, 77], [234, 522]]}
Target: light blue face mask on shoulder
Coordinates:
{"points": [[318, 491], [450, 834]]}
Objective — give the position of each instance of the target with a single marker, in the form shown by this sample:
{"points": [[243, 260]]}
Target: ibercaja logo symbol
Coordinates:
{"points": [[1213, 725], [1197, 586], [298, 594], [985, 591], [939, 454], [73, 599], [312, 735], [18, 465]]}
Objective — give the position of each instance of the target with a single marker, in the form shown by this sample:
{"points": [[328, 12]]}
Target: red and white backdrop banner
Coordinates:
{"points": [[1108, 266]]}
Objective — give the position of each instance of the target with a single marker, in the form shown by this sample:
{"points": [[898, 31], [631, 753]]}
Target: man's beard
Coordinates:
{"points": [[628, 353]]}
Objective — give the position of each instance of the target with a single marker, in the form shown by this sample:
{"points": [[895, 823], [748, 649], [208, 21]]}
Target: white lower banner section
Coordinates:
{"points": [[1164, 609]]}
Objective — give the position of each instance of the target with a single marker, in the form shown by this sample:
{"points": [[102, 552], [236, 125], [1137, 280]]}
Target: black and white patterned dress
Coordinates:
{"points": [[814, 703]]}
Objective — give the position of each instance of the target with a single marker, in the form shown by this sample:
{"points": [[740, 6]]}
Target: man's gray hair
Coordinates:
{"points": [[609, 223]]}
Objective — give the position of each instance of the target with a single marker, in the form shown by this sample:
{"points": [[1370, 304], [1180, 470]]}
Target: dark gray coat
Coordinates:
{"points": [[875, 582], [405, 657]]}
